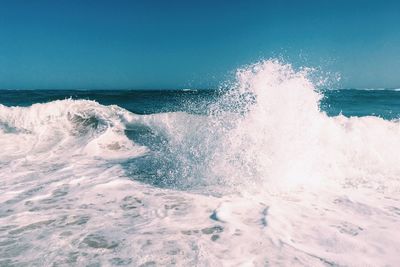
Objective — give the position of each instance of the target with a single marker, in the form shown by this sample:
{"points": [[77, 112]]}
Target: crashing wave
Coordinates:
{"points": [[266, 130]]}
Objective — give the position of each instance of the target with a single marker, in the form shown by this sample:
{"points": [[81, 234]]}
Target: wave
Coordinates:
{"points": [[189, 90], [266, 132]]}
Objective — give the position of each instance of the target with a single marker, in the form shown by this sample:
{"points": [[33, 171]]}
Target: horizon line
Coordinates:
{"points": [[182, 89]]}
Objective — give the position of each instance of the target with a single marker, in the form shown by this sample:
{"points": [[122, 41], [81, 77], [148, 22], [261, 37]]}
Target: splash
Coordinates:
{"points": [[284, 138]]}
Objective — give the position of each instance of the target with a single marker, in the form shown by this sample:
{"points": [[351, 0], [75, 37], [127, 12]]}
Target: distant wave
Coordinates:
{"points": [[189, 90]]}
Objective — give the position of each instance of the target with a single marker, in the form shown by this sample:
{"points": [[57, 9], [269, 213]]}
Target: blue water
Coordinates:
{"points": [[349, 102], [354, 102]]}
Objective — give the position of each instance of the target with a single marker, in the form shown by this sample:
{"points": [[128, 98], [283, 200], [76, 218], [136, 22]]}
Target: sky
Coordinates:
{"points": [[171, 44]]}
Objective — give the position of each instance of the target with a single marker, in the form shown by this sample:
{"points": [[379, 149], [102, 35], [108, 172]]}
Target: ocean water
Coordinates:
{"points": [[268, 171]]}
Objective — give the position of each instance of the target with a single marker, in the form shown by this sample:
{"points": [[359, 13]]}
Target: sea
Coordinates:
{"points": [[270, 169]]}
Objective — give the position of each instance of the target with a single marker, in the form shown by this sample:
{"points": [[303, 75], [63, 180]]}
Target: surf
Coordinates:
{"points": [[262, 172], [265, 130]]}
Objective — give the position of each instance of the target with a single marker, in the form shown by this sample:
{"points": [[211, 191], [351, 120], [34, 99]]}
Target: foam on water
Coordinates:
{"points": [[265, 177]]}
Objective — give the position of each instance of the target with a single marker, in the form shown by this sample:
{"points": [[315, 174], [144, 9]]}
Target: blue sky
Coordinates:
{"points": [[96, 44]]}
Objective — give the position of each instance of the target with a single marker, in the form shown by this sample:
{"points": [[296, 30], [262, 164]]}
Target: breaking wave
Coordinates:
{"points": [[265, 132]]}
